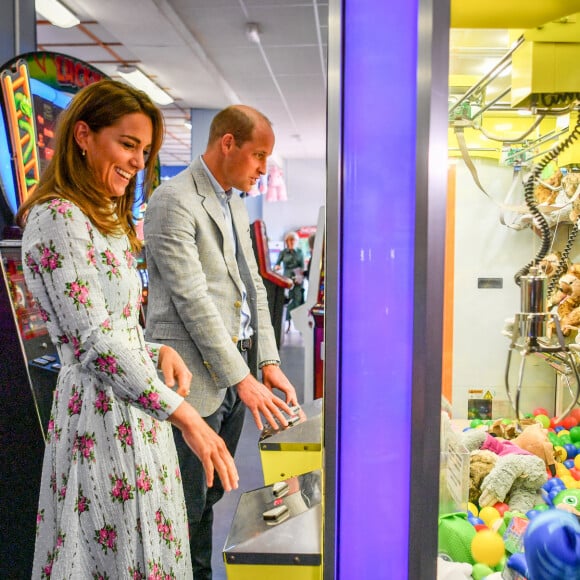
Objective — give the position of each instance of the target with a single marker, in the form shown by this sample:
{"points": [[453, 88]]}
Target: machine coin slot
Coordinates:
{"points": [[276, 515], [280, 489]]}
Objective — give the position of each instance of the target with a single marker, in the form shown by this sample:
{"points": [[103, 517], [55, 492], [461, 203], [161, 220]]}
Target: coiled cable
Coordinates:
{"points": [[540, 220]]}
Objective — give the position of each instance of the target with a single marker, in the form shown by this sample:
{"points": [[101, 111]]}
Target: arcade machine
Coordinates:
{"points": [[35, 87], [296, 449], [309, 317], [276, 532], [275, 283]]}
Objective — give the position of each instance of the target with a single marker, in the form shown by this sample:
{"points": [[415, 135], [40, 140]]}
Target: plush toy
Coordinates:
{"points": [[481, 462], [566, 300], [518, 473], [547, 191], [550, 264], [571, 184], [510, 430], [453, 570], [552, 546]]}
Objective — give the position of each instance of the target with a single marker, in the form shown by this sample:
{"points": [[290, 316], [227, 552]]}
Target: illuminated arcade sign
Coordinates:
{"points": [[35, 87]]}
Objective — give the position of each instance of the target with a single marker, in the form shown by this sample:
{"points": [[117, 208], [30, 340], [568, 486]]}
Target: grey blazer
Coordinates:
{"points": [[195, 285]]}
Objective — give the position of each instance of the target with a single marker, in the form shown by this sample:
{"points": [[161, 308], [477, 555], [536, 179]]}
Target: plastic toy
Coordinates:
{"points": [[552, 546]]}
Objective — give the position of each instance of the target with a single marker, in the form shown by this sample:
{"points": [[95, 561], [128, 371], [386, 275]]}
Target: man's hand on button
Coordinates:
{"points": [[262, 402]]}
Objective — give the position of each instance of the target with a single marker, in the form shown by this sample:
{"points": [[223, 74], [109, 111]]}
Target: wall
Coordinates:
{"points": [[306, 187], [486, 248]]}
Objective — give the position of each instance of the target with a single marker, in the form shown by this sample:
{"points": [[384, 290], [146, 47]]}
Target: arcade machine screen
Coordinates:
{"points": [[48, 105]]}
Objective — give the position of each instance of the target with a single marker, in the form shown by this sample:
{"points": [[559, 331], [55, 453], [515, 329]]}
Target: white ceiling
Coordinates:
{"points": [[199, 52]]}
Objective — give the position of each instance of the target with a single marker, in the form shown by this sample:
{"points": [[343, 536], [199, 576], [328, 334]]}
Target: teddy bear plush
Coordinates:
{"points": [[518, 472], [547, 191], [571, 184], [566, 300], [550, 264], [499, 428]]}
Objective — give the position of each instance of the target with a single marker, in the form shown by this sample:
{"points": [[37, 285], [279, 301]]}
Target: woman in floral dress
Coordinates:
{"points": [[111, 501]]}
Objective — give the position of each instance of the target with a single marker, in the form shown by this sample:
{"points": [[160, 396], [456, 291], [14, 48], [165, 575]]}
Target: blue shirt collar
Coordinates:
{"points": [[214, 182]]}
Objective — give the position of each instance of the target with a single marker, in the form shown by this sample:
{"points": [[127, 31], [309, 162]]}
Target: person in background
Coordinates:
{"points": [[291, 259], [111, 499], [208, 301]]}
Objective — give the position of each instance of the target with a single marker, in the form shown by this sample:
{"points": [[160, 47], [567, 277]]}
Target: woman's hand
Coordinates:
{"points": [[174, 369], [209, 447]]}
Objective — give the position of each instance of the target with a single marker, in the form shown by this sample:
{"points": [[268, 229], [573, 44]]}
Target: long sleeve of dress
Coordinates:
{"points": [[85, 285]]}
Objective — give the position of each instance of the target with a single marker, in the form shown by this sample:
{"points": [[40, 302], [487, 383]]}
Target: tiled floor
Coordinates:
{"points": [[248, 455]]}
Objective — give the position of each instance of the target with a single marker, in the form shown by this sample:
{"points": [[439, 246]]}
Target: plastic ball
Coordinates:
{"points": [[472, 508], [540, 411], [575, 434], [501, 507], [541, 507], [571, 452], [577, 461], [544, 420], [531, 514], [489, 515], [575, 413], [569, 422], [560, 452], [487, 547], [554, 483], [480, 527], [475, 423], [569, 463]]}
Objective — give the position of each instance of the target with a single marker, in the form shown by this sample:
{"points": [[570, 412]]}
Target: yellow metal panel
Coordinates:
{"points": [[566, 30], [509, 14], [262, 572], [544, 68], [282, 464], [572, 153]]}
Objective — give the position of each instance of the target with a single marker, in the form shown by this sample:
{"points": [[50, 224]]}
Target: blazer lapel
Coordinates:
{"points": [[214, 209]]}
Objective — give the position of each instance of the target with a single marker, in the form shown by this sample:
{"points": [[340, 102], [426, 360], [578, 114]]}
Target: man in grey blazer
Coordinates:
{"points": [[207, 300]]}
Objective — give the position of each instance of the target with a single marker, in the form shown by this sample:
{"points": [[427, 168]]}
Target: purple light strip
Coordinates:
{"points": [[379, 166]]}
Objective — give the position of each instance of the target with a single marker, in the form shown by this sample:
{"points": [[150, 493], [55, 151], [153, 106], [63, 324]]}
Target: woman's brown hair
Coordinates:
{"points": [[68, 176]]}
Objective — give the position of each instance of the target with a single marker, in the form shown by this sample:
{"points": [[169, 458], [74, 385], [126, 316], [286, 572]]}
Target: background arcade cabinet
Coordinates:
{"points": [[35, 88], [275, 283], [309, 317]]}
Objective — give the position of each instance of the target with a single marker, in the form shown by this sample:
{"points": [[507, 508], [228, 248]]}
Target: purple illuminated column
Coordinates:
{"points": [[384, 287]]}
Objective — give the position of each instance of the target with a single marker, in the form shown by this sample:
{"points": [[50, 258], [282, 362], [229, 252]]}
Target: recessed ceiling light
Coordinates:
{"points": [[141, 81], [56, 13]]}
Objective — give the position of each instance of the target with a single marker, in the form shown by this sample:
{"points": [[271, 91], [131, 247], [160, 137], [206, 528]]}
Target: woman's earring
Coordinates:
{"points": [[84, 153]]}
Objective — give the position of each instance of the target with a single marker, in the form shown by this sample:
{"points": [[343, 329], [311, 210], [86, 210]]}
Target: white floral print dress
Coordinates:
{"points": [[111, 502]]}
